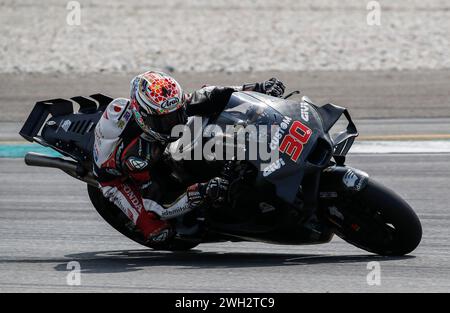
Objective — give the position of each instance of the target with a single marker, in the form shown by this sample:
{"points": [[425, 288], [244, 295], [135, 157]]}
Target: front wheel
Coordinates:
{"points": [[378, 220]]}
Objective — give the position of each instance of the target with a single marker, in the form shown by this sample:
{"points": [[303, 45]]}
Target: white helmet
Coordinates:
{"points": [[157, 101]]}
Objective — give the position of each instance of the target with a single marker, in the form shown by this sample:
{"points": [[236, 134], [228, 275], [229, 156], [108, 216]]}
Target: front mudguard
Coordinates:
{"points": [[343, 179]]}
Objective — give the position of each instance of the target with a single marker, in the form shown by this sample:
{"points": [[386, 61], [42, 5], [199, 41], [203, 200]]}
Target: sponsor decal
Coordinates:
{"points": [[127, 116], [304, 111], [121, 124], [124, 120], [193, 194], [350, 179], [170, 104], [117, 108], [354, 181], [275, 142], [293, 143], [275, 166], [136, 163], [173, 212], [132, 198], [65, 125]]}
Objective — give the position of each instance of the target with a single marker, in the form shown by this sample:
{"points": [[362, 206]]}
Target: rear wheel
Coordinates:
{"points": [[378, 220], [115, 217]]}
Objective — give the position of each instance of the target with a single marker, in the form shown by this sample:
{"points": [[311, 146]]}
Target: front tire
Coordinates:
{"points": [[378, 220], [115, 217]]}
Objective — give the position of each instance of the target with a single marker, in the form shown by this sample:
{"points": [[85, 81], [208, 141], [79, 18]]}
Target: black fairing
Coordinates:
{"points": [[71, 134], [316, 153]]}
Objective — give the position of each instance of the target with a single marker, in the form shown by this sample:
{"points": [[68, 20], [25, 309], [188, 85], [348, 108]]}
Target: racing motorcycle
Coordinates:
{"points": [[305, 196]]}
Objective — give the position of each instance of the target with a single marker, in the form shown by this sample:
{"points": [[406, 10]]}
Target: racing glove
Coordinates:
{"points": [[273, 87], [214, 192], [217, 190]]}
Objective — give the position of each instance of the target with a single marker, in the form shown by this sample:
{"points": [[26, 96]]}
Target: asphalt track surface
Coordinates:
{"points": [[46, 221]]}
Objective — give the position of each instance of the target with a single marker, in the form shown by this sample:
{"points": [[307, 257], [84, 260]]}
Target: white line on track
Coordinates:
{"points": [[432, 146]]}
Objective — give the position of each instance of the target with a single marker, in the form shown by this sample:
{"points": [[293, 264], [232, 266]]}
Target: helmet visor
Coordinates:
{"points": [[164, 123]]}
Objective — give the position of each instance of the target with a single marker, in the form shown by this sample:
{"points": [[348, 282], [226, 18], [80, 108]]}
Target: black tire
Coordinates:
{"points": [[115, 217], [390, 211]]}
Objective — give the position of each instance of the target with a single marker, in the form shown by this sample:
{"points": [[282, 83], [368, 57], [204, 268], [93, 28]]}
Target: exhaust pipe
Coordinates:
{"points": [[72, 168]]}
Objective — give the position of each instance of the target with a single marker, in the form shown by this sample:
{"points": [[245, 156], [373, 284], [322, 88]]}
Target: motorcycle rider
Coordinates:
{"points": [[132, 135]]}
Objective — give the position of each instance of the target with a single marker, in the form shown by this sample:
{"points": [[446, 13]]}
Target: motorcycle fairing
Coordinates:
{"points": [[288, 173]]}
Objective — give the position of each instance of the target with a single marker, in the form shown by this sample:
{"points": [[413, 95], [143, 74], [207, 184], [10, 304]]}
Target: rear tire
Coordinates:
{"points": [[393, 227], [115, 217]]}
